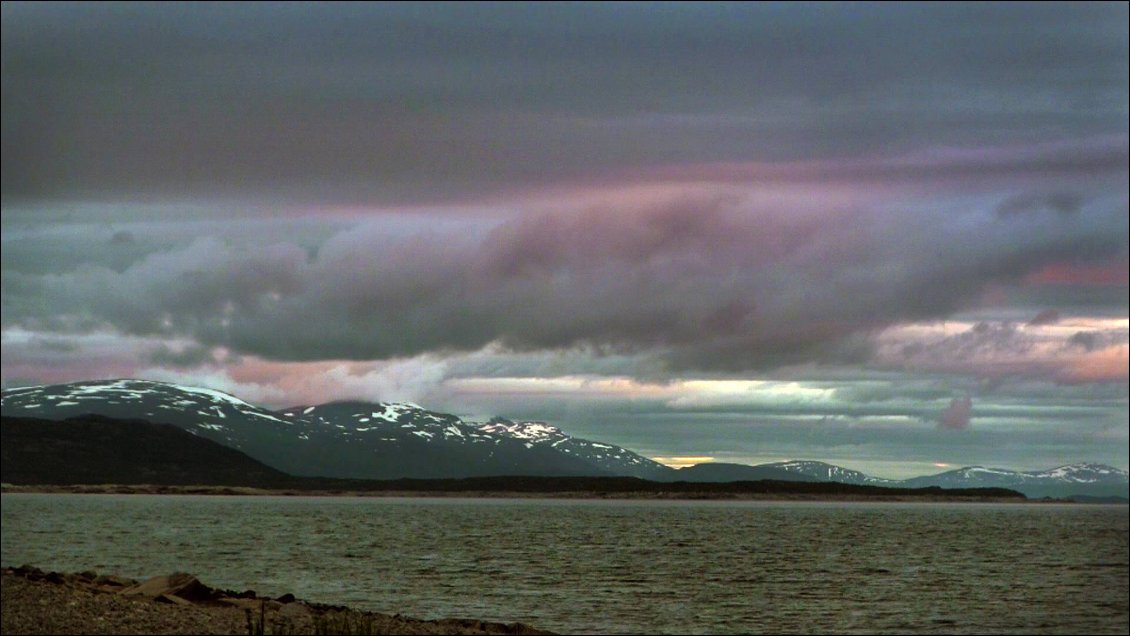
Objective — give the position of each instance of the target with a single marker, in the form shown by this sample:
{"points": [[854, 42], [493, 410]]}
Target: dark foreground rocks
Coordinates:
{"points": [[36, 602]]}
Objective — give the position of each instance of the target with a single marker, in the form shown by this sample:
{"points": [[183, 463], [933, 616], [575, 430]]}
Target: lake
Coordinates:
{"points": [[597, 566]]}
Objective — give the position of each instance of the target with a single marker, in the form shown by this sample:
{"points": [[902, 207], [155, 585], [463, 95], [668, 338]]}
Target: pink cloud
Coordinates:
{"points": [[1105, 365], [402, 379], [956, 416], [1069, 349]]}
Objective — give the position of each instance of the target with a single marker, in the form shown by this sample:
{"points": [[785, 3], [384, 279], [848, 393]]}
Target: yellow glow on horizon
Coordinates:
{"points": [[682, 461]]}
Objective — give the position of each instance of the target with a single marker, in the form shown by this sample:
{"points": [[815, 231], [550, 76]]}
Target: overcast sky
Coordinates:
{"points": [[892, 237]]}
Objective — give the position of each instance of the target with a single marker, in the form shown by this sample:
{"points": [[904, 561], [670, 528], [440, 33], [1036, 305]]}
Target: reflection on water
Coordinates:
{"points": [[616, 566]]}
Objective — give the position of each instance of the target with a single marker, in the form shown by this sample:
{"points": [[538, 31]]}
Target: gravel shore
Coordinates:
{"points": [[37, 602]]}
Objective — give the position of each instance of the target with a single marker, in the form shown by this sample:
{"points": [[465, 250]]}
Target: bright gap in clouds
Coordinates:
{"points": [[682, 461]]}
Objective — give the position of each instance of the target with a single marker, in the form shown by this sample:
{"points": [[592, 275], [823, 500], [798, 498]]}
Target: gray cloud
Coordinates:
{"points": [[329, 101], [190, 356], [992, 350], [706, 281], [1086, 340], [54, 345]]}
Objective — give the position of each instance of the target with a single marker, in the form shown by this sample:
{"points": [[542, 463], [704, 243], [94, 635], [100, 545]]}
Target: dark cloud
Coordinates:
{"points": [[340, 102], [1063, 203], [1086, 340], [122, 237], [957, 414], [983, 340], [1045, 317]]}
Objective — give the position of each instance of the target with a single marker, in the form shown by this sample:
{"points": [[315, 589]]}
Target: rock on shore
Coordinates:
{"points": [[36, 602]]}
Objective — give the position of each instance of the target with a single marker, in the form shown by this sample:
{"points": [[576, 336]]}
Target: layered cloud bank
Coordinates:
{"points": [[729, 280]]}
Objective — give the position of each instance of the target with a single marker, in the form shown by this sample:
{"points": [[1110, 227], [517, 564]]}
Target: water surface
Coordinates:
{"points": [[616, 566]]}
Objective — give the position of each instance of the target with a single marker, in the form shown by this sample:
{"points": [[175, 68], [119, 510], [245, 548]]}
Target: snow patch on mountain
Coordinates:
{"points": [[534, 431], [607, 457], [828, 472]]}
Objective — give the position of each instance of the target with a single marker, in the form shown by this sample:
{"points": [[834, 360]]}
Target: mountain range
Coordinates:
{"points": [[92, 453], [383, 440], [347, 440], [1068, 481]]}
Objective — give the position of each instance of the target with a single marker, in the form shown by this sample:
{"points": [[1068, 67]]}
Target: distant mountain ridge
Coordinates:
{"points": [[830, 472], [388, 440], [721, 472], [1094, 480], [96, 454], [1082, 479]]}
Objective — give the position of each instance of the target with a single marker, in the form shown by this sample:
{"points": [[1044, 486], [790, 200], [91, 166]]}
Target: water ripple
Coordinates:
{"points": [[617, 567]]}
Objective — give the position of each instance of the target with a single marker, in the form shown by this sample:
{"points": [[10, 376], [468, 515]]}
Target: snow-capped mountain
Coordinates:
{"points": [[1095, 480], [391, 440], [612, 459], [382, 440], [388, 421], [821, 471], [792, 470], [277, 441], [1083, 474], [344, 439], [205, 409]]}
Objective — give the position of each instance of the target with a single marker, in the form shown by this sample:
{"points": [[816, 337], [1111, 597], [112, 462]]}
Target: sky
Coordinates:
{"points": [[891, 237]]}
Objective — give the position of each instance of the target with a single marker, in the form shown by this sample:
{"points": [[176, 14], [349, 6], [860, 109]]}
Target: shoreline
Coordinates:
{"points": [[38, 602], [661, 495]]}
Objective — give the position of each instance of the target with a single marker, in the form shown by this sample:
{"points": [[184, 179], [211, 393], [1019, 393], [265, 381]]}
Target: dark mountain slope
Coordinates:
{"points": [[99, 450]]}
